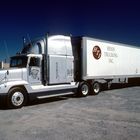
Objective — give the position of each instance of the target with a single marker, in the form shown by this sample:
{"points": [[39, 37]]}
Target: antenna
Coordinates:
{"points": [[6, 49], [24, 41], [28, 37]]}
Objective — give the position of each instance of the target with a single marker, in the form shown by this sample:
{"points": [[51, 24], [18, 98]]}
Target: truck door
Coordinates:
{"points": [[35, 70]]}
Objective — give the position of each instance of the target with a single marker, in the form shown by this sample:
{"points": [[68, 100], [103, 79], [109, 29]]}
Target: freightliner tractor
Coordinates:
{"points": [[61, 65]]}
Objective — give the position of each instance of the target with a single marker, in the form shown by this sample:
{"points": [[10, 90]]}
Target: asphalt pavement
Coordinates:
{"points": [[111, 115]]}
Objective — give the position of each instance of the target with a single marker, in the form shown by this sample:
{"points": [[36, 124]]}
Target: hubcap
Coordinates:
{"points": [[96, 88], [84, 89], [17, 99]]}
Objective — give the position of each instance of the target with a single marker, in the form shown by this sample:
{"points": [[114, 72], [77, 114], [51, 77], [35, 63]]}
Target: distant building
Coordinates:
{"points": [[4, 65]]}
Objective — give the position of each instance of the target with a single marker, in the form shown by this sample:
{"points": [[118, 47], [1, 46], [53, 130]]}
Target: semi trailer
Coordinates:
{"points": [[61, 65]]}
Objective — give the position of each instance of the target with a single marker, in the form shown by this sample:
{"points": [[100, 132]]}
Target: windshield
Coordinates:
{"points": [[18, 61]]}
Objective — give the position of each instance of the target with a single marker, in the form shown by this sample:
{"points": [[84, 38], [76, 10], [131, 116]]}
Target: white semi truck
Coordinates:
{"points": [[61, 65]]}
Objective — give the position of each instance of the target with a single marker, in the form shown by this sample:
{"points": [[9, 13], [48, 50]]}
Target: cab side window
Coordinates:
{"points": [[34, 62]]}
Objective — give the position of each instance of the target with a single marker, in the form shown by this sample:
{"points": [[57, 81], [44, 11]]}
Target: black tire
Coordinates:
{"points": [[83, 89], [17, 98], [96, 88]]}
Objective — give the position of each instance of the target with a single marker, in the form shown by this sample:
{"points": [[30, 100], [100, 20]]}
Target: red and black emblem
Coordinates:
{"points": [[96, 52]]}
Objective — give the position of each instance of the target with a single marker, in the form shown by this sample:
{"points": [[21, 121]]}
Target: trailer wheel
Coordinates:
{"points": [[17, 97], [83, 89], [96, 88]]}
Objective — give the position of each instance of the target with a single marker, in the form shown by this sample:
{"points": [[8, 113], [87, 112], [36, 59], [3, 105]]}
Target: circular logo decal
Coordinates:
{"points": [[96, 52]]}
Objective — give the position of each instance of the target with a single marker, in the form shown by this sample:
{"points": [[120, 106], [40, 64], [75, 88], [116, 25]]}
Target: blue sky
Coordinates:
{"points": [[112, 20]]}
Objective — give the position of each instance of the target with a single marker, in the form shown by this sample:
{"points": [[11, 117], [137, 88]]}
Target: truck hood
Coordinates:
{"points": [[14, 74]]}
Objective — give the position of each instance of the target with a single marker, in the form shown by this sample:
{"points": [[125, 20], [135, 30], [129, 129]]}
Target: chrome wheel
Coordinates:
{"points": [[83, 89], [17, 99], [96, 88]]}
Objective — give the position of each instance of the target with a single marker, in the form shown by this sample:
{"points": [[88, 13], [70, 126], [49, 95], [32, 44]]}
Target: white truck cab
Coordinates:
{"points": [[39, 71]]}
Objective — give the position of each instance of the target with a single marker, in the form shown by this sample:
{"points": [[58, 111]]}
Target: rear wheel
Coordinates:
{"points": [[83, 89], [16, 98], [96, 88]]}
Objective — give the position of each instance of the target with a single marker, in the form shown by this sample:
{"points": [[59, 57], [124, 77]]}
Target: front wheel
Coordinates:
{"points": [[16, 98], [83, 89]]}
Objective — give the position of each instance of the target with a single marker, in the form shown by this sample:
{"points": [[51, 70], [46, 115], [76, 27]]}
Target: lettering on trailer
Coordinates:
{"points": [[96, 52], [110, 54]]}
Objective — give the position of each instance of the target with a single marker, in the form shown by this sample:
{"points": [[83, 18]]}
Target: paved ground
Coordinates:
{"points": [[111, 115]]}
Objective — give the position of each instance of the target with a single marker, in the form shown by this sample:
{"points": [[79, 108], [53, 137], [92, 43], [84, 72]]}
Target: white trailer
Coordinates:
{"points": [[61, 65], [108, 60], [99, 62]]}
